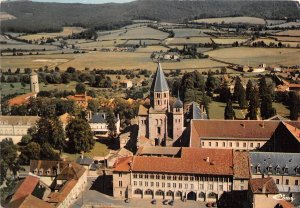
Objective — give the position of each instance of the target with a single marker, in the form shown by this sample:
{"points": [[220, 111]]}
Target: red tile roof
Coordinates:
{"points": [[263, 186], [233, 129], [21, 99], [28, 201], [241, 165], [25, 187], [57, 197], [294, 130], [192, 160]]}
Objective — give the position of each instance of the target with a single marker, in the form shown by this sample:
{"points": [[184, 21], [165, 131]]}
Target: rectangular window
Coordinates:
{"points": [[220, 187], [141, 176], [146, 176], [287, 182], [237, 144], [157, 177], [169, 185], [146, 183], [140, 183], [217, 144], [201, 186], [211, 187], [191, 178], [180, 185], [209, 144], [120, 193], [134, 175], [163, 177], [168, 177], [258, 145], [120, 183], [152, 184], [120, 175], [163, 184], [244, 144], [192, 186], [251, 144], [186, 186], [135, 183], [202, 144], [242, 188], [242, 181], [223, 144], [230, 144], [277, 181], [174, 185], [158, 130], [157, 184], [296, 182]]}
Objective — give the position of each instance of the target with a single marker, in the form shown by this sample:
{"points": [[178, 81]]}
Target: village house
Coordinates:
{"points": [[81, 100], [34, 90], [261, 193], [99, 125], [126, 84], [186, 174], [15, 127], [66, 180]]}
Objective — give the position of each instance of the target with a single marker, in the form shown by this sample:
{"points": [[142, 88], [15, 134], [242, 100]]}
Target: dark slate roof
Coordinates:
{"points": [[159, 83], [98, 118], [196, 112], [178, 103], [84, 161], [276, 161]]}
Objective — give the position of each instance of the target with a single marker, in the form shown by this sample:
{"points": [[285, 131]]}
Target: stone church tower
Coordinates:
{"points": [[159, 108], [153, 121], [178, 118], [34, 82]]}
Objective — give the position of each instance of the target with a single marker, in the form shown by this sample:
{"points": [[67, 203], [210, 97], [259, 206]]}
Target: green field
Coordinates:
{"points": [[257, 56], [232, 20], [216, 110], [190, 32], [99, 150]]}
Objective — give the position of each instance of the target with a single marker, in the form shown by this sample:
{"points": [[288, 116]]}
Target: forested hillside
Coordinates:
{"points": [[38, 17]]}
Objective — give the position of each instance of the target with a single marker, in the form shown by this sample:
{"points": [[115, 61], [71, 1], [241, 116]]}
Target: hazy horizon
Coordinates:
{"points": [[82, 1]]}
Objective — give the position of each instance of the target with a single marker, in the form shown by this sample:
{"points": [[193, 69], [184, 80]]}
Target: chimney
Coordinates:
{"points": [[264, 188], [207, 159], [263, 124]]}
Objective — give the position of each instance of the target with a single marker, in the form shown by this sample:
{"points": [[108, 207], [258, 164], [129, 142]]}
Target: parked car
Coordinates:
{"points": [[153, 201], [209, 204], [165, 202]]}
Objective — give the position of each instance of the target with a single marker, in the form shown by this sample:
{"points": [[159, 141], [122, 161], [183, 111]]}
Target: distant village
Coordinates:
{"points": [[173, 153]]}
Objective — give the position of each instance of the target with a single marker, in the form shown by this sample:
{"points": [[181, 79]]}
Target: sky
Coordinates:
{"points": [[85, 1]]}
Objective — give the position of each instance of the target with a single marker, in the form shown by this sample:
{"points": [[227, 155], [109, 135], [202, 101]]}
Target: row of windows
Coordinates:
{"points": [[287, 182], [230, 144], [171, 193], [177, 120], [277, 169], [159, 95], [159, 102], [174, 185], [180, 177]]}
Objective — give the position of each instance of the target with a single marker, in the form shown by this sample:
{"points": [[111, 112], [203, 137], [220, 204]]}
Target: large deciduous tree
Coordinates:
{"points": [[80, 135]]}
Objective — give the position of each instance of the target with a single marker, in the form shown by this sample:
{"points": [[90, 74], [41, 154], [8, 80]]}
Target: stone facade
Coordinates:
{"points": [[34, 83], [155, 123], [15, 127]]}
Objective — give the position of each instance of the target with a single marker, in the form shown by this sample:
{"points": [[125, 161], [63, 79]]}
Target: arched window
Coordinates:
{"points": [[156, 121], [159, 193], [170, 193], [148, 192], [138, 191], [213, 195]]}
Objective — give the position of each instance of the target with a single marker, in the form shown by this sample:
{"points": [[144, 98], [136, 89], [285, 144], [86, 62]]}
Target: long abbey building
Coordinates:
{"points": [[160, 124]]}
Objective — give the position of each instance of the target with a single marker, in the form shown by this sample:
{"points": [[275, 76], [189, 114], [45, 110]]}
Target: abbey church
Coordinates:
{"points": [[162, 123]]}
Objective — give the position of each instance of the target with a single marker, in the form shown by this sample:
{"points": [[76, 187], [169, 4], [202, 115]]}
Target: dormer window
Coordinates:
{"points": [[297, 170], [269, 168], [285, 170], [277, 169], [41, 172], [258, 169]]}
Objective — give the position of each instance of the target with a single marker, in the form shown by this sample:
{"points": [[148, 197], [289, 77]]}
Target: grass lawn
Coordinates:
{"points": [[99, 150], [282, 109], [216, 110]]}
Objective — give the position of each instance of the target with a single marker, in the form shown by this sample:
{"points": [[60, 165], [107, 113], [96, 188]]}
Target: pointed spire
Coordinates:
{"points": [[159, 83], [178, 103]]}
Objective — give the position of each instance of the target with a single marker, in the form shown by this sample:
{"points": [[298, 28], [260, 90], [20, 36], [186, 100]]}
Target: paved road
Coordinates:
{"points": [[96, 198]]}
